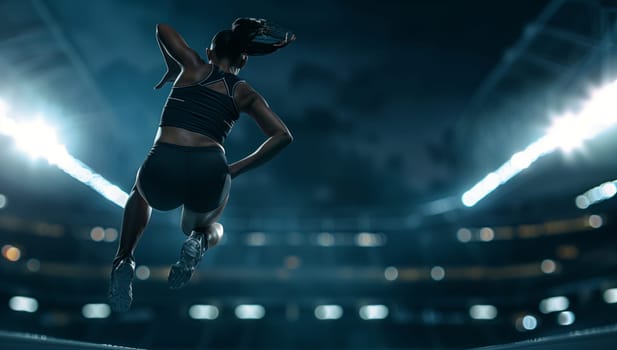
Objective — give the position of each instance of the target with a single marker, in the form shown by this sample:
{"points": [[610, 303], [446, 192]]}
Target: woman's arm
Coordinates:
{"points": [[173, 68], [176, 47], [255, 105]]}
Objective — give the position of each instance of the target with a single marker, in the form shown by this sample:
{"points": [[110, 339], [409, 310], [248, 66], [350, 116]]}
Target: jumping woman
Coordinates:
{"points": [[187, 165]]}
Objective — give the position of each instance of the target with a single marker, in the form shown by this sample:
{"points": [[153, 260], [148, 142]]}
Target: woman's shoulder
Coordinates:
{"points": [[243, 93], [234, 82]]}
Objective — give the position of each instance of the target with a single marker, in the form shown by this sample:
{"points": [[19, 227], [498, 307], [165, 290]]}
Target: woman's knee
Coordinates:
{"points": [[190, 221], [198, 221], [186, 227]]}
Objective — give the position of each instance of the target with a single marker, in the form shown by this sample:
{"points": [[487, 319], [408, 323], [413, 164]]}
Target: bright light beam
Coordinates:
{"points": [[567, 133], [597, 194], [40, 141]]}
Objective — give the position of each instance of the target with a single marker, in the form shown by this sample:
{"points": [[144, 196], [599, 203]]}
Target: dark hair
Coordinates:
{"points": [[250, 36]]}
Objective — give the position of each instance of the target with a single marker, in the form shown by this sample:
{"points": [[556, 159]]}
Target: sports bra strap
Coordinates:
{"points": [[233, 86], [208, 77], [216, 75]]}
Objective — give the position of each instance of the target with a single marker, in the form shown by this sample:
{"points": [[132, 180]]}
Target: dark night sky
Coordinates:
{"points": [[370, 90], [378, 97]]}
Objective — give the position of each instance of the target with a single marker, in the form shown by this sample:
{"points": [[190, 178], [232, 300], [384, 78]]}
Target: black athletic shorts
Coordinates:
{"points": [[174, 175]]}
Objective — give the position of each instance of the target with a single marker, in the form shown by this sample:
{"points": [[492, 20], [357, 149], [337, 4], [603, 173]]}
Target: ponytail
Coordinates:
{"points": [[250, 36], [257, 37]]}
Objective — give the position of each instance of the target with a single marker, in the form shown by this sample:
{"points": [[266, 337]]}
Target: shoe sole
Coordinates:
{"points": [[121, 289], [181, 272]]}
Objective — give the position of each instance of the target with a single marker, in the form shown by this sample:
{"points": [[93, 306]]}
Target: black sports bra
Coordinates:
{"points": [[201, 109]]}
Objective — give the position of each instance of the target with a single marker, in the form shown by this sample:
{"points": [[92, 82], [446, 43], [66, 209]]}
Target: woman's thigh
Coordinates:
{"points": [[192, 220], [208, 182], [160, 178]]}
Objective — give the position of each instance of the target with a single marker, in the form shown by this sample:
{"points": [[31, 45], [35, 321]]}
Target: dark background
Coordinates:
{"points": [[393, 105]]}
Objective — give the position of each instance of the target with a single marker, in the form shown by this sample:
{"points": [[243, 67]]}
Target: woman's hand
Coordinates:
{"points": [[288, 40], [169, 77], [265, 152], [234, 169]]}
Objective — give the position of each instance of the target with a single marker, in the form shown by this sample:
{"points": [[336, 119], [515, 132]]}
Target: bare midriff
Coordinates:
{"points": [[183, 137]]}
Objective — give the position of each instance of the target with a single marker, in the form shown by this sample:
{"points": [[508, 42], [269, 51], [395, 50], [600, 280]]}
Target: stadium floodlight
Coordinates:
{"points": [[39, 140], [567, 132], [597, 194]]}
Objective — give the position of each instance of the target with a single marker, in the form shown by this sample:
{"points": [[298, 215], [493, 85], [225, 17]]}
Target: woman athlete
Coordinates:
{"points": [[186, 165]]}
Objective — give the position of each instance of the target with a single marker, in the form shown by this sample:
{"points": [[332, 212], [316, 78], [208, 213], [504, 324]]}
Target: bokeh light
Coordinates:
{"points": [[292, 262], [328, 312], [33, 265], [11, 253], [373, 312], [529, 322], [487, 234], [96, 311], [203, 312], [548, 266], [595, 221], [250, 311], [3, 201], [463, 235], [25, 304], [438, 273], [610, 296], [142, 272], [256, 239], [391, 273], [565, 318], [111, 234], [552, 304], [97, 234], [483, 312], [325, 239]]}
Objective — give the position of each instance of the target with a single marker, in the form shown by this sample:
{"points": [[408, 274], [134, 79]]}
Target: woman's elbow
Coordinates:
{"points": [[287, 138], [162, 29], [281, 138]]}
